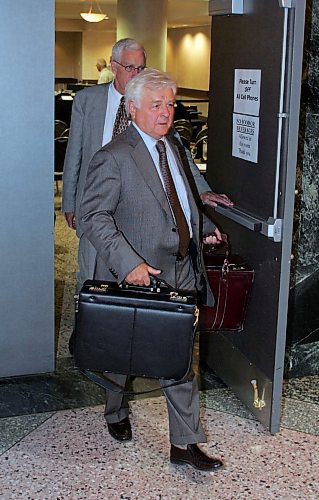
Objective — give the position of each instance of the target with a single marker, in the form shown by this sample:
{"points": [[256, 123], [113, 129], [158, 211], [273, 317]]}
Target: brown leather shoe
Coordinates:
{"points": [[195, 457], [121, 431]]}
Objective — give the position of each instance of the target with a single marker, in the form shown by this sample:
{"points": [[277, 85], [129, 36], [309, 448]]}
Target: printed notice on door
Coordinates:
{"points": [[247, 91], [245, 137]]}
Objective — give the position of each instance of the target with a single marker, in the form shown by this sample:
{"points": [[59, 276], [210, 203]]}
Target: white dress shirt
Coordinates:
{"points": [[150, 143], [113, 102]]}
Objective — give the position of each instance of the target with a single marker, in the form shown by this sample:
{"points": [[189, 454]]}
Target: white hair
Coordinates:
{"points": [[148, 78], [125, 44], [101, 62]]}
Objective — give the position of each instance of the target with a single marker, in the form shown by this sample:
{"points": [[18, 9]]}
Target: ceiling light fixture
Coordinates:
{"points": [[94, 17]]}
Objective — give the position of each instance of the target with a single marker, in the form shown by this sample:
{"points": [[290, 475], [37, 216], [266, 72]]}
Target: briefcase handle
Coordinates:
{"points": [[155, 285], [225, 245]]}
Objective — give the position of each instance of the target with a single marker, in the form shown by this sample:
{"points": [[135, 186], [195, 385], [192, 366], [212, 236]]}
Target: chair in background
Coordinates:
{"points": [[202, 134], [196, 120], [59, 127], [63, 107], [199, 148], [185, 130], [60, 144], [182, 122], [193, 113], [65, 133], [185, 136], [180, 110]]}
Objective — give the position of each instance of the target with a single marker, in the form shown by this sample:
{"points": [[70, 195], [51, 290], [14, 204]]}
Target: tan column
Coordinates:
{"points": [[146, 21]]}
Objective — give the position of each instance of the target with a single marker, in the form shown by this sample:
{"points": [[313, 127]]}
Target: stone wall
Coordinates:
{"points": [[303, 318]]}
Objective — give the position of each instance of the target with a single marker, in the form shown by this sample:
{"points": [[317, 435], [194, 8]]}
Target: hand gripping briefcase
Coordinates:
{"points": [[137, 331], [230, 279]]}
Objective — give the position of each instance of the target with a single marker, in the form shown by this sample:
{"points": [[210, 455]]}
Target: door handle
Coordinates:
{"points": [[241, 217], [272, 228]]}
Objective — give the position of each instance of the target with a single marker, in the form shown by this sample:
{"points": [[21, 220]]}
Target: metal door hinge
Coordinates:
{"points": [[258, 402]]}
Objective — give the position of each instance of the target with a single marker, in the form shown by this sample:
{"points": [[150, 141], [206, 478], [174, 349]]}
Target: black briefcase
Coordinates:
{"points": [[137, 331]]}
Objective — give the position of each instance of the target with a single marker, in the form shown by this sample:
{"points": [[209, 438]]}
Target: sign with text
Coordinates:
{"points": [[247, 91], [245, 137]]}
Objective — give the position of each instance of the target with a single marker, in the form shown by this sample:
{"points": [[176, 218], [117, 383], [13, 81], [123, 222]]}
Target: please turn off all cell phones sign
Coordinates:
{"points": [[247, 91], [246, 114]]}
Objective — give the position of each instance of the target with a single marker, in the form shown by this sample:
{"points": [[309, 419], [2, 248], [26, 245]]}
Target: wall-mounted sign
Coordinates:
{"points": [[246, 112], [245, 137], [247, 91]]}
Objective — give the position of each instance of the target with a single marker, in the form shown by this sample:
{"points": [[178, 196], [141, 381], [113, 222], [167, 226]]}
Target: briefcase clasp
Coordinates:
{"points": [[196, 317], [76, 301], [179, 298], [103, 287]]}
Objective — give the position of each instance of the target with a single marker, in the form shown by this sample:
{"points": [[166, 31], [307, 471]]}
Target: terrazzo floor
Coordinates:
{"points": [[54, 443], [71, 455]]}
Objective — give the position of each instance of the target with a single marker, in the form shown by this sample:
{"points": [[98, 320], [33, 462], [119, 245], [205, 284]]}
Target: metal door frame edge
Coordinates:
{"points": [[293, 105]]}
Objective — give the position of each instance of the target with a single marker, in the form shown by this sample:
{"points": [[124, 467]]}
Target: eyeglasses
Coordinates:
{"points": [[130, 67]]}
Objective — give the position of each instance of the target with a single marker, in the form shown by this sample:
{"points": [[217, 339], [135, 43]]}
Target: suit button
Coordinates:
{"points": [[174, 229]]}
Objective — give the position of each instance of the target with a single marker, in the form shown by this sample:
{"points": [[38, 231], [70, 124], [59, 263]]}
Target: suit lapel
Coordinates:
{"points": [[145, 165]]}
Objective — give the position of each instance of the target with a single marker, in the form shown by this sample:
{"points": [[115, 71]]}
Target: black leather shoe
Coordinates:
{"points": [[121, 431], [195, 457]]}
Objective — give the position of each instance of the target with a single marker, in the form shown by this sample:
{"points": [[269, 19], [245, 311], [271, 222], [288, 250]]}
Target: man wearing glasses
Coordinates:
{"points": [[96, 119], [93, 118]]}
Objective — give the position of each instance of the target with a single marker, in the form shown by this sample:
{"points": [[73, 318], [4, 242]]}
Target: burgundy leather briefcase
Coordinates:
{"points": [[230, 279], [138, 331]]}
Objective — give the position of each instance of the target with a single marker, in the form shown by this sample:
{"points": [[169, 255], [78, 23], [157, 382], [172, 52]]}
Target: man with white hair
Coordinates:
{"points": [[106, 74], [93, 119], [94, 113], [97, 117], [139, 212]]}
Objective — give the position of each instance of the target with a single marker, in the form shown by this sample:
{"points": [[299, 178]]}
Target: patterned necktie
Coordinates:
{"points": [[181, 222], [121, 120]]}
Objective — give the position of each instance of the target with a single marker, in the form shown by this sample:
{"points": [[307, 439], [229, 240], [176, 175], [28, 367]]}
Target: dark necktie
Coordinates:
{"points": [[121, 120], [180, 219]]}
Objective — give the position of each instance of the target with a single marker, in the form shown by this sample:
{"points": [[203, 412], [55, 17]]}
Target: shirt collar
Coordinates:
{"points": [[148, 139], [115, 93]]}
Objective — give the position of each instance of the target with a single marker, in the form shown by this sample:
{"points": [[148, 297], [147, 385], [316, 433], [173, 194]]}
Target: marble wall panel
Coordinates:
{"points": [[308, 244], [306, 227], [302, 352], [313, 14]]}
